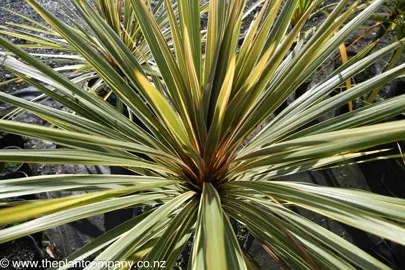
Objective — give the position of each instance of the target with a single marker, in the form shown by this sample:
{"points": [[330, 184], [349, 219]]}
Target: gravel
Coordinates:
{"points": [[22, 8]]}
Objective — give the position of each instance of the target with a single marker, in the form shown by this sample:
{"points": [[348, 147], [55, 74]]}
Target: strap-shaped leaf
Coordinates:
{"points": [[133, 71], [66, 216], [104, 69], [219, 113], [289, 168], [244, 97], [295, 250], [36, 209], [354, 213], [215, 245], [126, 246], [328, 144], [163, 57], [257, 45], [80, 157], [226, 53], [170, 245], [215, 32], [101, 110], [38, 184], [83, 123], [189, 14], [361, 117], [283, 86], [103, 240], [69, 138], [333, 103], [309, 98]]}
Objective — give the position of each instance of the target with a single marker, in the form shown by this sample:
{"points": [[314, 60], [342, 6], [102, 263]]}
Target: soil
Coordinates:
{"points": [[18, 250], [22, 8]]}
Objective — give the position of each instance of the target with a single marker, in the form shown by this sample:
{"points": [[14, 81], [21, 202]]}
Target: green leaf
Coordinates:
{"points": [[318, 233], [103, 240], [77, 213], [83, 140], [176, 236], [80, 157], [215, 244], [327, 144], [124, 247], [353, 212], [294, 250], [38, 184]]}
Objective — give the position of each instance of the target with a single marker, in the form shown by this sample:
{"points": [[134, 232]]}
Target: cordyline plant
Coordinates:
{"points": [[198, 158], [395, 23], [118, 14]]}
